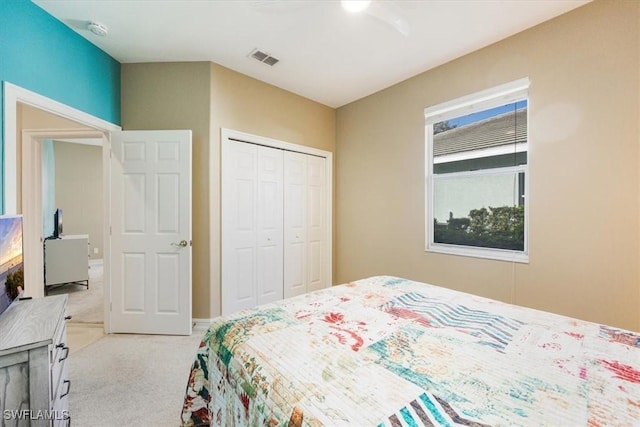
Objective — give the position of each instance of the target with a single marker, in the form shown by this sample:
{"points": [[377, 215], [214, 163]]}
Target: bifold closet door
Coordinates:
{"points": [[304, 223], [316, 224], [252, 225]]}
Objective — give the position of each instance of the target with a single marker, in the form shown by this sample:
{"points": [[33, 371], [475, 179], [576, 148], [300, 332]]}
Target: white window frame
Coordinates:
{"points": [[483, 100]]}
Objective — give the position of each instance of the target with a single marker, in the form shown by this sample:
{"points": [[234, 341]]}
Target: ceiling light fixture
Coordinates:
{"points": [[97, 28], [355, 6]]}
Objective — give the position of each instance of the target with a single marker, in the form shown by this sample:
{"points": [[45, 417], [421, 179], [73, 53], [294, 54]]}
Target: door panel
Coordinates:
{"points": [[239, 192], [251, 226], [168, 191], [133, 272], [244, 290], [295, 218], [316, 223], [168, 265], [151, 232], [133, 195], [269, 219]]}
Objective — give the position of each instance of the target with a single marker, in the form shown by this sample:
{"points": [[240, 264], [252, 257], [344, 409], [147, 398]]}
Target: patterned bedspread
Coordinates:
{"points": [[386, 351]]}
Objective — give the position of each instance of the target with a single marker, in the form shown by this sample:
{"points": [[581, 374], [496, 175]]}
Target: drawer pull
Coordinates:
{"points": [[68, 388], [66, 354]]}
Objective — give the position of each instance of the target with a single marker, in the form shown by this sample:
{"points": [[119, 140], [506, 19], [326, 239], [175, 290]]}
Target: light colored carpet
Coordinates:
{"points": [[131, 380], [85, 305]]}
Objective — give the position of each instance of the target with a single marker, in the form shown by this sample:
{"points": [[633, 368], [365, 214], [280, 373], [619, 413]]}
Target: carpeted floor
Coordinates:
{"points": [[131, 380], [122, 379], [85, 305]]}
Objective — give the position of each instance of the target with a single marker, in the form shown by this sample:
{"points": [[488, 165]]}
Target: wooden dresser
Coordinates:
{"points": [[34, 384]]}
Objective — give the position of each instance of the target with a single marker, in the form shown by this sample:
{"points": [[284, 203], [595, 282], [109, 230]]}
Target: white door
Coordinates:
{"points": [[270, 221], [151, 232], [316, 224], [251, 225], [305, 224], [295, 223]]}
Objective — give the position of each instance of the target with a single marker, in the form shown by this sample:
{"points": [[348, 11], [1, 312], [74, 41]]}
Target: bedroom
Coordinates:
{"points": [[584, 240]]}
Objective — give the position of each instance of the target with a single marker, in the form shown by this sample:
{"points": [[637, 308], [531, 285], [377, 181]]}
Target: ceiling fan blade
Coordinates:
{"points": [[390, 14]]}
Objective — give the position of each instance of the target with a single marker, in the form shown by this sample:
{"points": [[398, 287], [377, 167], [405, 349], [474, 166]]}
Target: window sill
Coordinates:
{"points": [[468, 251]]}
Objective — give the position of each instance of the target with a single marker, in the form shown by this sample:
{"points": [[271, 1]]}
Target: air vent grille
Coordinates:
{"points": [[263, 57]]}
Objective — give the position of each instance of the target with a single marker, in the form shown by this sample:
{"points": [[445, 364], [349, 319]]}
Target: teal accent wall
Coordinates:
{"points": [[41, 54]]}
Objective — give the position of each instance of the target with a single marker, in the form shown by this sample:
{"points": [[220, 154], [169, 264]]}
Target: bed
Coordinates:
{"points": [[386, 351]]}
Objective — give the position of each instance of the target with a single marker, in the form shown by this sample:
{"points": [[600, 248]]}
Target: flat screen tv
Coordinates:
{"points": [[11, 265], [57, 224]]}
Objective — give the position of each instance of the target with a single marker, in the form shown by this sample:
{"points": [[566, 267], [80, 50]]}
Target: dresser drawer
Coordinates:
{"points": [[59, 354], [60, 405]]}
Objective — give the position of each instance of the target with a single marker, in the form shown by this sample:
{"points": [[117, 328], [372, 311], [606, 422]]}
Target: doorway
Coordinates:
{"points": [[72, 184], [152, 159], [23, 180]]}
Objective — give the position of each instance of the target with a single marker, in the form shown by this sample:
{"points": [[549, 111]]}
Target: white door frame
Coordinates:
{"points": [[230, 134], [13, 95]]}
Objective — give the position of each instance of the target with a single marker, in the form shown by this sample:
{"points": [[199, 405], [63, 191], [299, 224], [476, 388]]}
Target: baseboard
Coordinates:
{"points": [[201, 324]]}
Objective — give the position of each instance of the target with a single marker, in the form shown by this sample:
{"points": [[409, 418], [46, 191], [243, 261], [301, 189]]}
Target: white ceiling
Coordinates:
{"points": [[326, 54]]}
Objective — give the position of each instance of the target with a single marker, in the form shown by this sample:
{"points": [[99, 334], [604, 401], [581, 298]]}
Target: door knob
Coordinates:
{"points": [[181, 243]]}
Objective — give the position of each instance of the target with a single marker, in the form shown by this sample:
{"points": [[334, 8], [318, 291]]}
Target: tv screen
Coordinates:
{"points": [[57, 223], [11, 265]]}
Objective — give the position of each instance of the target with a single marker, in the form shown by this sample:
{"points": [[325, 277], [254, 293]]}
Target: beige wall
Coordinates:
{"points": [[31, 118], [205, 97], [34, 118], [79, 191], [176, 96], [584, 158]]}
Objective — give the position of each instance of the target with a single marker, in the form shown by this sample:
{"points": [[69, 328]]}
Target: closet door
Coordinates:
{"points": [[295, 223], [270, 225], [252, 231], [305, 224], [316, 224]]}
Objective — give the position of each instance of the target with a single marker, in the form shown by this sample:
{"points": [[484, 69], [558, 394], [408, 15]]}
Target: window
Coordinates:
{"points": [[477, 174]]}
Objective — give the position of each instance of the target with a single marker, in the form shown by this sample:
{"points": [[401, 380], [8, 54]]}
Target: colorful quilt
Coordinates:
{"points": [[386, 351]]}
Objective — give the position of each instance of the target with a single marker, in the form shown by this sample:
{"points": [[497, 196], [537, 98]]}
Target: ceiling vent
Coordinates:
{"points": [[263, 57]]}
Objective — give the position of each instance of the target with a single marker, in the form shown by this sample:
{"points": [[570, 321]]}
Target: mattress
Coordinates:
{"points": [[387, 351]]}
